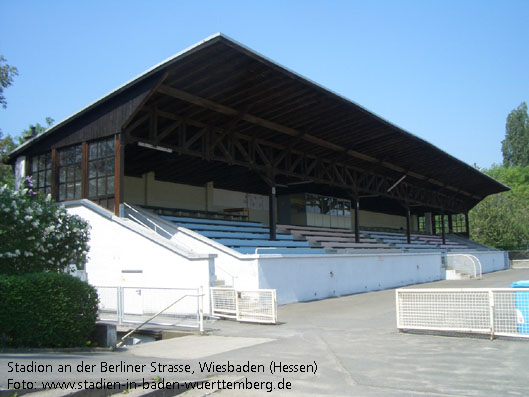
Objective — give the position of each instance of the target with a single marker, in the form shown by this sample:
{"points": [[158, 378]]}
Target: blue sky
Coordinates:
{"points": [[446, 71]]}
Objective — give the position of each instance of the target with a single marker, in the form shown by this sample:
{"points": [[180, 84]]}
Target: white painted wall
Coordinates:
{"points": [[233, 268], [492, 261], [298, 279], [118, 245], [20, 171]]}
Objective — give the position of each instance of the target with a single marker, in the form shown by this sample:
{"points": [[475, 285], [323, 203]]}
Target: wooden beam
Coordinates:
{"points": [[55, 174], [144, 101], [408, 225], [223, 109], [272, 203], [357, 178], [443, 234], [356, 203], [119, 169], [84, 171]]}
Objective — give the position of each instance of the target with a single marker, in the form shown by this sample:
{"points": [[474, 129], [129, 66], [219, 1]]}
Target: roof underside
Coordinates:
{"points": [[235, 89]]}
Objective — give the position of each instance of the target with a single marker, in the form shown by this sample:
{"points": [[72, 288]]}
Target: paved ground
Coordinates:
{"points": [[350, 344]]}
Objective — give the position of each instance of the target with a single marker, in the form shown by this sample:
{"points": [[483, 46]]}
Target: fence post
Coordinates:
{"points": [[274, 306], [491, 314], [237, 314], [120, 305], [201, 309]]}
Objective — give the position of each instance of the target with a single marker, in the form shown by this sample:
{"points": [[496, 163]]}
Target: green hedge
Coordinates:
{"points": [[46, 310]]}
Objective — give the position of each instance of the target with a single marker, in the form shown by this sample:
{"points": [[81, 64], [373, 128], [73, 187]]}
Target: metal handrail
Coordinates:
{"points": [[201, 326], [476, 263], [156, 226]]}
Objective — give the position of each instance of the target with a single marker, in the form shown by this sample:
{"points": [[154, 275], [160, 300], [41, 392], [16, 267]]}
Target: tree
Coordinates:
{"points": [[36, 129], [7, 73], [515, 146], [6, 171], [502, 220], [7, 144]]}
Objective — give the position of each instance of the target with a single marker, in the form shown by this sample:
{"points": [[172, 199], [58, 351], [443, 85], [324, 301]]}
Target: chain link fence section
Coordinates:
{"points": [[258, 306], [496, 311], [134, 305]]}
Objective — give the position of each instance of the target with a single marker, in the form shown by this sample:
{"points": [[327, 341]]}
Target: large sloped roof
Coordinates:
{"points": [[219, 79]]}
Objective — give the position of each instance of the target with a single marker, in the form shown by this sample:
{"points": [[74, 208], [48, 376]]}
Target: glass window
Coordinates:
{"points": [[458, 223], [347, 208], [313, 204], [421, 220], [41, 173], [101, 169], [70, 160]]}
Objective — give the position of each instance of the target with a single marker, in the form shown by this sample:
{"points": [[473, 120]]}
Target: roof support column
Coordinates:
{"points": [[467, 225], [272, 204], [408, 224], [356, 201], [450, 224], [119, 171], [443, 227]]}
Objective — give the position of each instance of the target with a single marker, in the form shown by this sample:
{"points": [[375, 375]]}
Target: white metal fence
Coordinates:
{"points": [[137, 304], [465, 263], [254, 306], [496, 311]]}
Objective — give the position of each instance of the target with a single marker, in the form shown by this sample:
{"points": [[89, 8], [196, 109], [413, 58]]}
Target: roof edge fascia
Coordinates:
{"points": [[149, 72]]}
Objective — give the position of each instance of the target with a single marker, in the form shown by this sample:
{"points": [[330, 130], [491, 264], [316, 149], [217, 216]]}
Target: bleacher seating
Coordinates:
{"points": [[252, 237], [246, 237], [334, 240]]}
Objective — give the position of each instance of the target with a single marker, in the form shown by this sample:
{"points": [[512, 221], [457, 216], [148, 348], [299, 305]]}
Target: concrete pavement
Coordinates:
{"points": [[340, 347]]}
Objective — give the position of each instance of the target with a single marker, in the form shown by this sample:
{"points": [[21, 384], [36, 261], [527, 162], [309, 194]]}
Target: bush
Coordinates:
{"points": [[46, 310], [37, 234]]}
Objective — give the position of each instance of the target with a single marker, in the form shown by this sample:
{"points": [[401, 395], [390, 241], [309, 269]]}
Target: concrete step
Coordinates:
{"points": [[453, 274]]}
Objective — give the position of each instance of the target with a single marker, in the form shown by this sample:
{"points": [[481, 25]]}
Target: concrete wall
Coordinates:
{"points": [[149, 191], [231, 267], [376, 219], [492, 261], [300, 278], [123, 253]]}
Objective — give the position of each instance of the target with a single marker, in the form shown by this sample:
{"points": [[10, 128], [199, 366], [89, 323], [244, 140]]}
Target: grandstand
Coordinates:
{"points": [[272, 179]]}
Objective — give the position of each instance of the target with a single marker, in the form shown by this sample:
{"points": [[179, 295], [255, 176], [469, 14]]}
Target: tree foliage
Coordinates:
{"points": [[7, 73], [8, 144], [6, 171], [515, 146], [502, 220], [36, 129], [37, 234]]}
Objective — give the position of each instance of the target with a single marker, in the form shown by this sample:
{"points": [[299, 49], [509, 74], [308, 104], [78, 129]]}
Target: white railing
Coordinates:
{"points": [[136, 305], [496, 311], [143, 220], [465, 263], [258, 306]]}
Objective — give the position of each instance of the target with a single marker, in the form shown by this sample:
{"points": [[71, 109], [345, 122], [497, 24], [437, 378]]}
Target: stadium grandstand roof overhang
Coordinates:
{"points": [[220, 112]]}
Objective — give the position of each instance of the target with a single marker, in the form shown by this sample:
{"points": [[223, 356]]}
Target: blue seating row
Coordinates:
{"points": [[246, 237]]}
